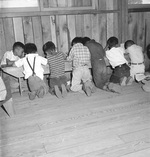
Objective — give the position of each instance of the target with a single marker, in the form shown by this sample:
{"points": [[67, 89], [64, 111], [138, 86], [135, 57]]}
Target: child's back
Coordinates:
{"points": [[57, 65], [58, 80], [137, 59], [33, 71], [136, 54]]}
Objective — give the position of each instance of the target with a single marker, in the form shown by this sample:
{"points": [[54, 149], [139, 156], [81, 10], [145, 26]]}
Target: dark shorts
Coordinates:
{"points": [[120, 72], [57, 81]]}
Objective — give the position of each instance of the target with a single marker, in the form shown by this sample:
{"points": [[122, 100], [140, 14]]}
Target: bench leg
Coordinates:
{"points": [[20, 86], [9, 108]]}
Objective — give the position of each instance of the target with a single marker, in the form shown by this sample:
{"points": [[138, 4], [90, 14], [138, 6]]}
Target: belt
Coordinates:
{"points": [[119, 66], [137, 63]]}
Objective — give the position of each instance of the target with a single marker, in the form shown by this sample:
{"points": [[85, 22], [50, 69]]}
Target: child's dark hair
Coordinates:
{"points": [[85, 40], [112, 42], [128, 43], [30, 48], [18, 44], [49, 46], [76, 40]]}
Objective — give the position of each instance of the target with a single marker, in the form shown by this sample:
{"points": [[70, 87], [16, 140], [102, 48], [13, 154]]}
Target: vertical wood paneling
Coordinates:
{"points": [[18, 29], [95, 27], [9, 32], [61, 30], [115, 25], [38, 33], [80, 25], [141, 29], [110, 23], [71, 27], [46, 29], [132, 27], [103, 29], [88, 25], [28, 29], [62, 35], [53, 30], [2, 39]]}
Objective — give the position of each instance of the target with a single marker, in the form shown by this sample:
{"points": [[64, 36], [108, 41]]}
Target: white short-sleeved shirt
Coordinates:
{"points": [[39, 71], [9, 55], [135, 53], [116, 56]]}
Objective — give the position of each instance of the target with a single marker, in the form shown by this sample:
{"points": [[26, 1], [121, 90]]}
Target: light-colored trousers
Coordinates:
{"points": [[136, 70], [80, 74]]}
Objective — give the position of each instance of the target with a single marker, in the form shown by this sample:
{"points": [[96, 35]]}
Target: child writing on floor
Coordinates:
{"points": [[115, 55], [80, 55], [58, 80], [137, 60], [33, 71]]}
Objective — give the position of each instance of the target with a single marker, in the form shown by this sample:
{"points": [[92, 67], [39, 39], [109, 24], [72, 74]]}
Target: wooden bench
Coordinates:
{"points": [[18, 72]]}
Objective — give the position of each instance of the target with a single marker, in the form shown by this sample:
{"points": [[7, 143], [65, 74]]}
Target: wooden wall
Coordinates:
{"points": [[61, 29], [139, 28]]}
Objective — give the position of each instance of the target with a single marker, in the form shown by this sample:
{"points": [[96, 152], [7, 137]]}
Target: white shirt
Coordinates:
{"points": [[39, 71], [135, 53], [9, 55], [116, 56]]}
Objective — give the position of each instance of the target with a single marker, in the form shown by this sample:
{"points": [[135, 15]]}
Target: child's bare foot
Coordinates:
{"points": [[57, 92], [64, 90], [129, 81], [123, 81], [32, 95]]}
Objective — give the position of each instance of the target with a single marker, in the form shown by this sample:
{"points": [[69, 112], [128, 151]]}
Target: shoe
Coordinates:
{"points": [[64, 90], [57, 92], [51, 91], [88, 91], [116, 88], [123, 81], [32, 95], [41, 92], [129, 81]]}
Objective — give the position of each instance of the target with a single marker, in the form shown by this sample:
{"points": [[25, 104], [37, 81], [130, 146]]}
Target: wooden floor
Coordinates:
{"points": [[104, 125]]}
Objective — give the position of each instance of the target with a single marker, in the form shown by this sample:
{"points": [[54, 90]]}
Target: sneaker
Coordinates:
{"points": [[129, 81], [88, 91], [123, 81], [32, 95], [64, 90], [116, 88], [57, 92], [41, 92]]}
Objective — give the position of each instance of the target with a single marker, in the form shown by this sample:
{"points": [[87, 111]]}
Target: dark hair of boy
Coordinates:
{"points": [[76, 40], [49, 46], [18, 44], [85, 40], [128, 43], [30, 48], [112, 42]]}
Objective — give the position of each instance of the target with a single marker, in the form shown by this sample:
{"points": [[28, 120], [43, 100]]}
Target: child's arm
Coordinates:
{"points": [[9, 62], [70, 57], [19, 63]]}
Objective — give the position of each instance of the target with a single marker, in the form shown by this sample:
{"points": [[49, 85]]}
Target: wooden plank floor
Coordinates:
{"points": [[103, 125]]}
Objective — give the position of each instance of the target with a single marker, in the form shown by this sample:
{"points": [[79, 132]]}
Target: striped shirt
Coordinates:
{"points": [[80, 55], [57, 65]]}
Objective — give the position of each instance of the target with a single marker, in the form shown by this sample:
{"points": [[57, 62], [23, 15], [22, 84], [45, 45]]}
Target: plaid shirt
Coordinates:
{"points": [[80, 55]]}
